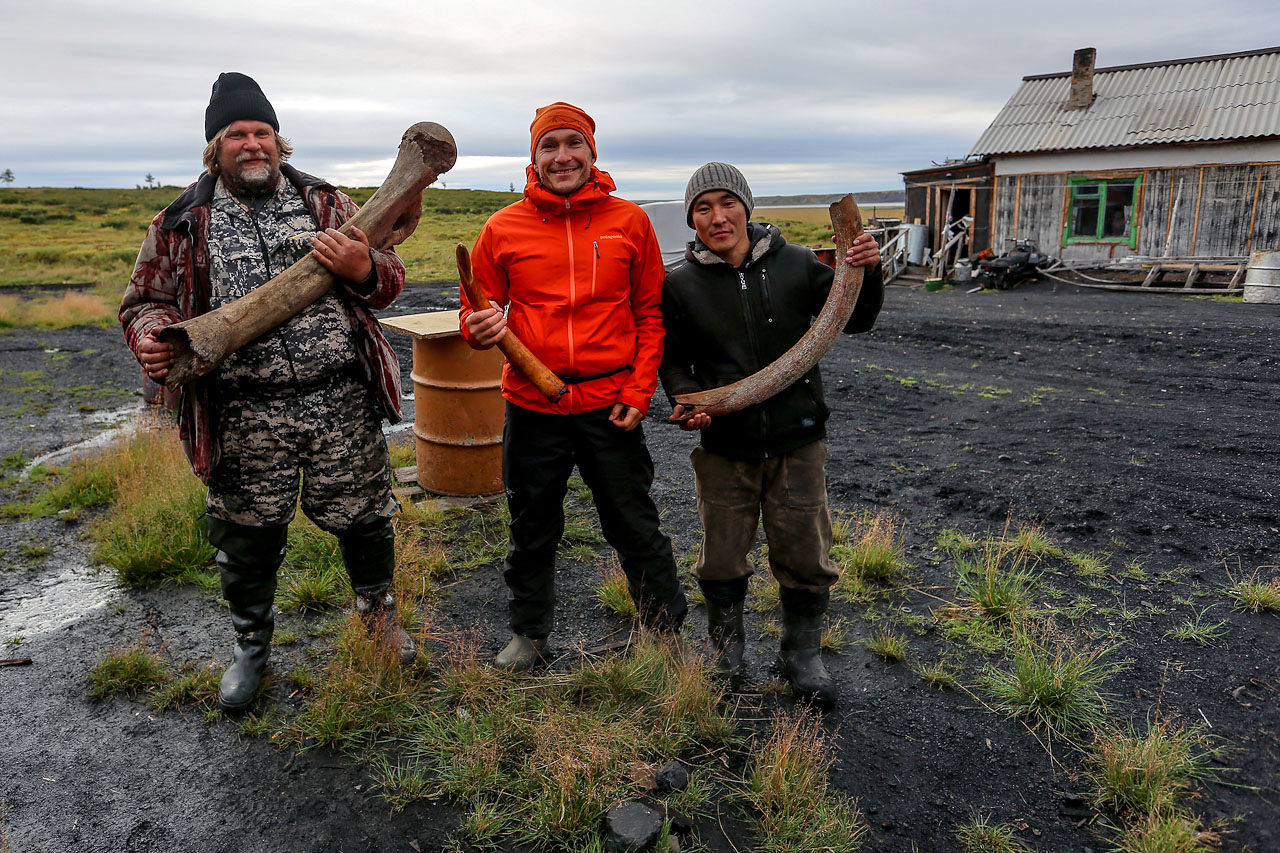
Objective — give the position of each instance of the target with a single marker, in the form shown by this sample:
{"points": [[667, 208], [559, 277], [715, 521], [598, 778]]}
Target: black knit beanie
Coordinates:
{"points": [[236, 97], [716, 176]]}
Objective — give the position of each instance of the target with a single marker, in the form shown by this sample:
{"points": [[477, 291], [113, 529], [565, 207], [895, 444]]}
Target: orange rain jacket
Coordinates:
{"points": [[582, 276]]}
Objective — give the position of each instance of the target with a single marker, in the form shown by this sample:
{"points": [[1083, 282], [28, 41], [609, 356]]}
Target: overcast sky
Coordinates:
{"points": [[804, 96]]}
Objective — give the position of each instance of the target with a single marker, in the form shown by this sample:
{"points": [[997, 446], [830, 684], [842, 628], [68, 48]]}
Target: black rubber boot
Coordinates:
{"points": [[369, 553], [725, 627], [247, 559], [801, 656]]}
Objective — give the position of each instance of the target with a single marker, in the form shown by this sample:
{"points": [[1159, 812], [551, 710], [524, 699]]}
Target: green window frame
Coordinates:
{"points": [[1102, 210]]}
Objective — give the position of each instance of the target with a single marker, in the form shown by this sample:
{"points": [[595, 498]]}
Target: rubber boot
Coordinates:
{"points": [[369, 553], [522, 654], [725, 627], [801, 650], [247, 559]]}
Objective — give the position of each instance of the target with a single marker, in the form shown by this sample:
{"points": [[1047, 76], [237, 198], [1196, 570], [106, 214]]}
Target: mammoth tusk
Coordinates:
{"points": [[846, 221], [388, 218], [516, 352]]}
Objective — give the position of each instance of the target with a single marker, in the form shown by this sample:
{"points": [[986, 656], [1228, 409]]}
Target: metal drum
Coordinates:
{"points": [[458, 407], [1262, 278]]}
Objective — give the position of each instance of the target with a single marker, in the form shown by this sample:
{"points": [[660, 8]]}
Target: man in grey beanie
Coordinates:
{"points": [[300, 409], [742, 298]]}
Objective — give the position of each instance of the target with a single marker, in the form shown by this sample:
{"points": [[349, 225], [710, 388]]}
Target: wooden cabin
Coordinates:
{"points": [[1162, 159]]}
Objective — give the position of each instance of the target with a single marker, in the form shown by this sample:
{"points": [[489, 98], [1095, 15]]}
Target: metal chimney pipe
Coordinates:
{"points": [[1081, 96]]}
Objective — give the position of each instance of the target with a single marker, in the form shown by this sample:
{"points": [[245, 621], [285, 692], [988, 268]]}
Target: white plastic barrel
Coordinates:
{"points": [[1262, 278]]}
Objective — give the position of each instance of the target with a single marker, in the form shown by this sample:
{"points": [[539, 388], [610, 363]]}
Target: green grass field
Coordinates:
{"points": [[811, 226], [50, 235], [92, 235]]}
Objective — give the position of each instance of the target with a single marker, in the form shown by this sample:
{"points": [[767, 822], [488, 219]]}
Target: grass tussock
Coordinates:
{"points": [[364, 693], [942, 674], [1168, 832], [1255, 594], [869, 550], [1052, 682], [612, 592], [1154, 772], [156, 530], [981, 836], [888, 645], [128, 671], [996, 582], [1032, 542], [787, 785]]}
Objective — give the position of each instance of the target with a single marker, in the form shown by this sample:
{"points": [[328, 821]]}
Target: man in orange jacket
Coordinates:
{"points": [[579, 274]]}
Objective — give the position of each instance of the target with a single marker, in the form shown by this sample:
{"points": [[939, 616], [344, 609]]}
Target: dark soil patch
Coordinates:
{"points": [[1133, 427]]}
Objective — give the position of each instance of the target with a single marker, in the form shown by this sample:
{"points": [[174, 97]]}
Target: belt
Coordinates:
{"points": [[578, 380]]}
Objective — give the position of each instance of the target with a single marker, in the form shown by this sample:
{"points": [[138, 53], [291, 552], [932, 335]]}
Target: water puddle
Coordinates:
{"points": [[52, 600], [112, 425]]}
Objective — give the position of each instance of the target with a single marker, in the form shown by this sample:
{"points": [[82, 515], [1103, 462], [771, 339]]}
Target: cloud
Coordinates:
{"points": [[801, 93]]}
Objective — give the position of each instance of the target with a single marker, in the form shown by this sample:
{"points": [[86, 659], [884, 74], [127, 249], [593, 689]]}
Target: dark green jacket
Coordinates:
{"points": [[724, 324]]}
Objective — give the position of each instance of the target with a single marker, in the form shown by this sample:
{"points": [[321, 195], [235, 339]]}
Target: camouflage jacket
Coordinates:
{"points": [[170, 283]]}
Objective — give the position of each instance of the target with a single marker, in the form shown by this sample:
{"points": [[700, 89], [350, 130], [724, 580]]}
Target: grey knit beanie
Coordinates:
{"points": [[716, 176], [236, 97]]}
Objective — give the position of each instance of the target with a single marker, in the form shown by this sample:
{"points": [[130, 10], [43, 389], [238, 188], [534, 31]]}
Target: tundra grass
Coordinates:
{"points": [[981, 836], [942, 674], [787, 786], [612, 591], [128, 671], [93, 235], [554, 749], [1255, 594], [1166, 832], [1138, 774], [156, 529], [60, 312], [1199, 630], [868, 548], [996, 581], [888, 645], [1052, 682]]}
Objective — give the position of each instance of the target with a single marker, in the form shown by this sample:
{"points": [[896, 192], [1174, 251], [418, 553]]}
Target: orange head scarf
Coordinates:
{"points": [[561, 115]]}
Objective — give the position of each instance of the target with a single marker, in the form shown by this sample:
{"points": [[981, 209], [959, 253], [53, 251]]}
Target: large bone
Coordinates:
{"points": [[512, 347], [846, 221], [388, 218]]}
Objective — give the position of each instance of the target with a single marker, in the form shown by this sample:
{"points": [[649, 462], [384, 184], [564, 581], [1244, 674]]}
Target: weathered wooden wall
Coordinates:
{"points": [[1200, 211], [1266, 210]]}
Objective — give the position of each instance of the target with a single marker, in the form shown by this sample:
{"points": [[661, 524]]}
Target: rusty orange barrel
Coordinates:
{"points": [[458, 408]]}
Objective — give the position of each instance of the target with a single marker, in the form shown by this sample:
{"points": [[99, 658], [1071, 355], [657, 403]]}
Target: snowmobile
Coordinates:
{"points": [[1020, 263]]}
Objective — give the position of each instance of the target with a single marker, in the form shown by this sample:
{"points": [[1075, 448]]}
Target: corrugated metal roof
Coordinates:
{"points": [[1187, 100]]}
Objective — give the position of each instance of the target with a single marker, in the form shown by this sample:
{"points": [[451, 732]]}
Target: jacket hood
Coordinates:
{"points": [[763, 237], [201, 193], [599, 184]]}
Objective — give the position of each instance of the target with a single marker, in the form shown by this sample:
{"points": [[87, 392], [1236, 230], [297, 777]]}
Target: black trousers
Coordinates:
{"points": [[539, 452]]}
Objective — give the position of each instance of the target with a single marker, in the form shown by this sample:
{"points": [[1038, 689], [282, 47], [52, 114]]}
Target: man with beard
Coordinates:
{"points": [[305, 401], [580, 274]]}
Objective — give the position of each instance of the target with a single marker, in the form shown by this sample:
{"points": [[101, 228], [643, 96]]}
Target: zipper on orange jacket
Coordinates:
{"points": [[595, 260], [573, 288]]}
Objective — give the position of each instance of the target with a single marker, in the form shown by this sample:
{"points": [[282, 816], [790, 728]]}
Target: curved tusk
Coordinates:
{"points": [[846, 221], [389, 216]]}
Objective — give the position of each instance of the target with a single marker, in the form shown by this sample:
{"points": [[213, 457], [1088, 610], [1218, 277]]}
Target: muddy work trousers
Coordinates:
{"points": [[539, 452], [789, 493], [329, 436]]}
